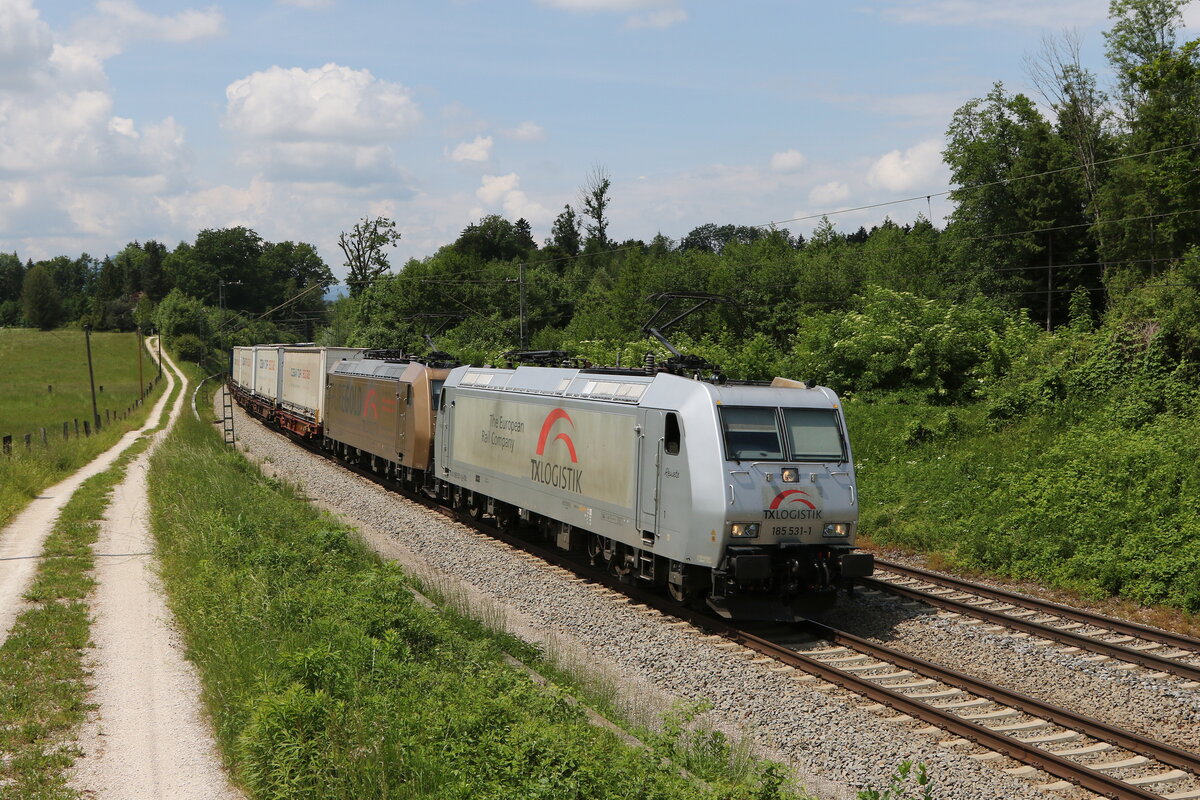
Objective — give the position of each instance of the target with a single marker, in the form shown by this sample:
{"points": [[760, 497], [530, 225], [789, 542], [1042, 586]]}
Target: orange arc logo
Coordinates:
{"points": [[783, 497], [551, 418]]}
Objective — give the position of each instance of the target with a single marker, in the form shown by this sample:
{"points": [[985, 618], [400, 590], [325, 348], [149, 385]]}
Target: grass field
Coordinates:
{"points": [[34, 360]]}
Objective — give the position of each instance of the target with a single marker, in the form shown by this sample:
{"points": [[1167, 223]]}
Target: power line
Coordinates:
{"points": [[287, 302], [974, 186]]}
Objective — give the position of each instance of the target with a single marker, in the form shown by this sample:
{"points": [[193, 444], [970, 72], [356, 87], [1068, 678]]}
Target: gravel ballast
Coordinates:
{"points": [[834, 746]]}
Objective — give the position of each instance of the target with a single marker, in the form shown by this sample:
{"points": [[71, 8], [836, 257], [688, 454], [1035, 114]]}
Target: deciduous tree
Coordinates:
{"points": [[594, 200], [365, 249], [40, 299]]}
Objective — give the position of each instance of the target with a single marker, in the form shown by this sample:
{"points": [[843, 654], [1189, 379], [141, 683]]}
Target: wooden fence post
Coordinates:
{"points": [[66, 431], [7, 445], [28, 441], [44, 442], [86, 430]]}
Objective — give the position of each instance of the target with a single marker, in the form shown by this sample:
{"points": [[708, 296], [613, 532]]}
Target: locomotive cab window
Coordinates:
{"points": [[436, 389], [671, 435], [751, 433], [813, 434]]}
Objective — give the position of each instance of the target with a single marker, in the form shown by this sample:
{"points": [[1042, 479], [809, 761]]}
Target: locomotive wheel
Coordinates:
{"points": [[506, 517], [475, 507], [680, 594]]}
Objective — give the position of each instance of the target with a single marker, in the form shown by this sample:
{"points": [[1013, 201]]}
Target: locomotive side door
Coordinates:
{"points": [[404, 413], [650, 448], [663, 482]]}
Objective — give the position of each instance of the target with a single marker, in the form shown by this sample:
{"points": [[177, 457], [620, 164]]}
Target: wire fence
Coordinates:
{"points": [[73, 427]]}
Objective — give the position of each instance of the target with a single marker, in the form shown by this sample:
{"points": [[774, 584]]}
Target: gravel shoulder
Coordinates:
{"points": [[147, 736], [833, 743]]}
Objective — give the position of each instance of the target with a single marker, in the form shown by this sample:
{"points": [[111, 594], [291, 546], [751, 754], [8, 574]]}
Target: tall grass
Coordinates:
{"points": [[34, 360], [1083, 498]]}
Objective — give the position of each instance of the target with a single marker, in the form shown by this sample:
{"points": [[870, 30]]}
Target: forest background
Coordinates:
{"points": [[1021, 383]]}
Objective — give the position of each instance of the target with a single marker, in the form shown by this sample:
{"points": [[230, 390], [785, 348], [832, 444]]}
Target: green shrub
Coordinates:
{"points": [[190, 348]]}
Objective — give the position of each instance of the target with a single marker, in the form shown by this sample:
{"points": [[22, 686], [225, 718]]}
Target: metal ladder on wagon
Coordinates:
{"points": [[227, 416]]}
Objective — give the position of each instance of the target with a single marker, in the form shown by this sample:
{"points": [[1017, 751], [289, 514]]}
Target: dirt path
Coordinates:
{"points": [[148, 736], [21, 542]]}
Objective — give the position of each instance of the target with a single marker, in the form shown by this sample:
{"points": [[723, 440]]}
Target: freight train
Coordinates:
{"points": [[740, 496]]}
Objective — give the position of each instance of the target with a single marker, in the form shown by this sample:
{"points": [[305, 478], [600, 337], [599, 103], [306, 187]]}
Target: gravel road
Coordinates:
{"points": [[147, 736], [834, 745]]}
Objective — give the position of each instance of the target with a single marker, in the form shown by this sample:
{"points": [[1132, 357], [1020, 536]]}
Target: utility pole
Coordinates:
{"points": [[1049, 283], [523, 328], [141, 380], [87, 337]]}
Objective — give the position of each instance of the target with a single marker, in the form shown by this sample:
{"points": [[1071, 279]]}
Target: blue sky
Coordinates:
{"points": [[124, 120]]}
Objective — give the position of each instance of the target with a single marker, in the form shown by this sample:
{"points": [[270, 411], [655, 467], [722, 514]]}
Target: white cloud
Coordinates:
{"points": [[312, 125], [643, 13], [120, 23], [517, 206], [477, 151], [657, 19], [917, 167], [124, 17], [329, 103], [788, 161], [502, 191], [1026, 13], [309, 4], [74, 171], [829, 194], [526, 132], [25, 43], [603, 5], [496, 186]]}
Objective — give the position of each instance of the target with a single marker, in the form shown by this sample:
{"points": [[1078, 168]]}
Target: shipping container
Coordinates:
{"points": [[243, 368], [267, 383]]}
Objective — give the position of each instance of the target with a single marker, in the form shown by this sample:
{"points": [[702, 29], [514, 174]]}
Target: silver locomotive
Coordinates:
{"points": [[741, 495]]}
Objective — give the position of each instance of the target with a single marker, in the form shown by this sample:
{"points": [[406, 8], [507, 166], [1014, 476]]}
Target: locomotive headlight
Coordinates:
{"points": [[791, 475], [744, 530], [835, 529]]}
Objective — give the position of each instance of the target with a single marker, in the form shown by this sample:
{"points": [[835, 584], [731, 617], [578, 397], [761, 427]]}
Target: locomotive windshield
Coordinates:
{"points": [[751, 433], [814, 434], [790, 434]]}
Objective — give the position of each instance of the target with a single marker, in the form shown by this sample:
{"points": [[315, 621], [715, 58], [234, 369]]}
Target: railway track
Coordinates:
{"points": [[1163, 652], [1074, 749]]}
